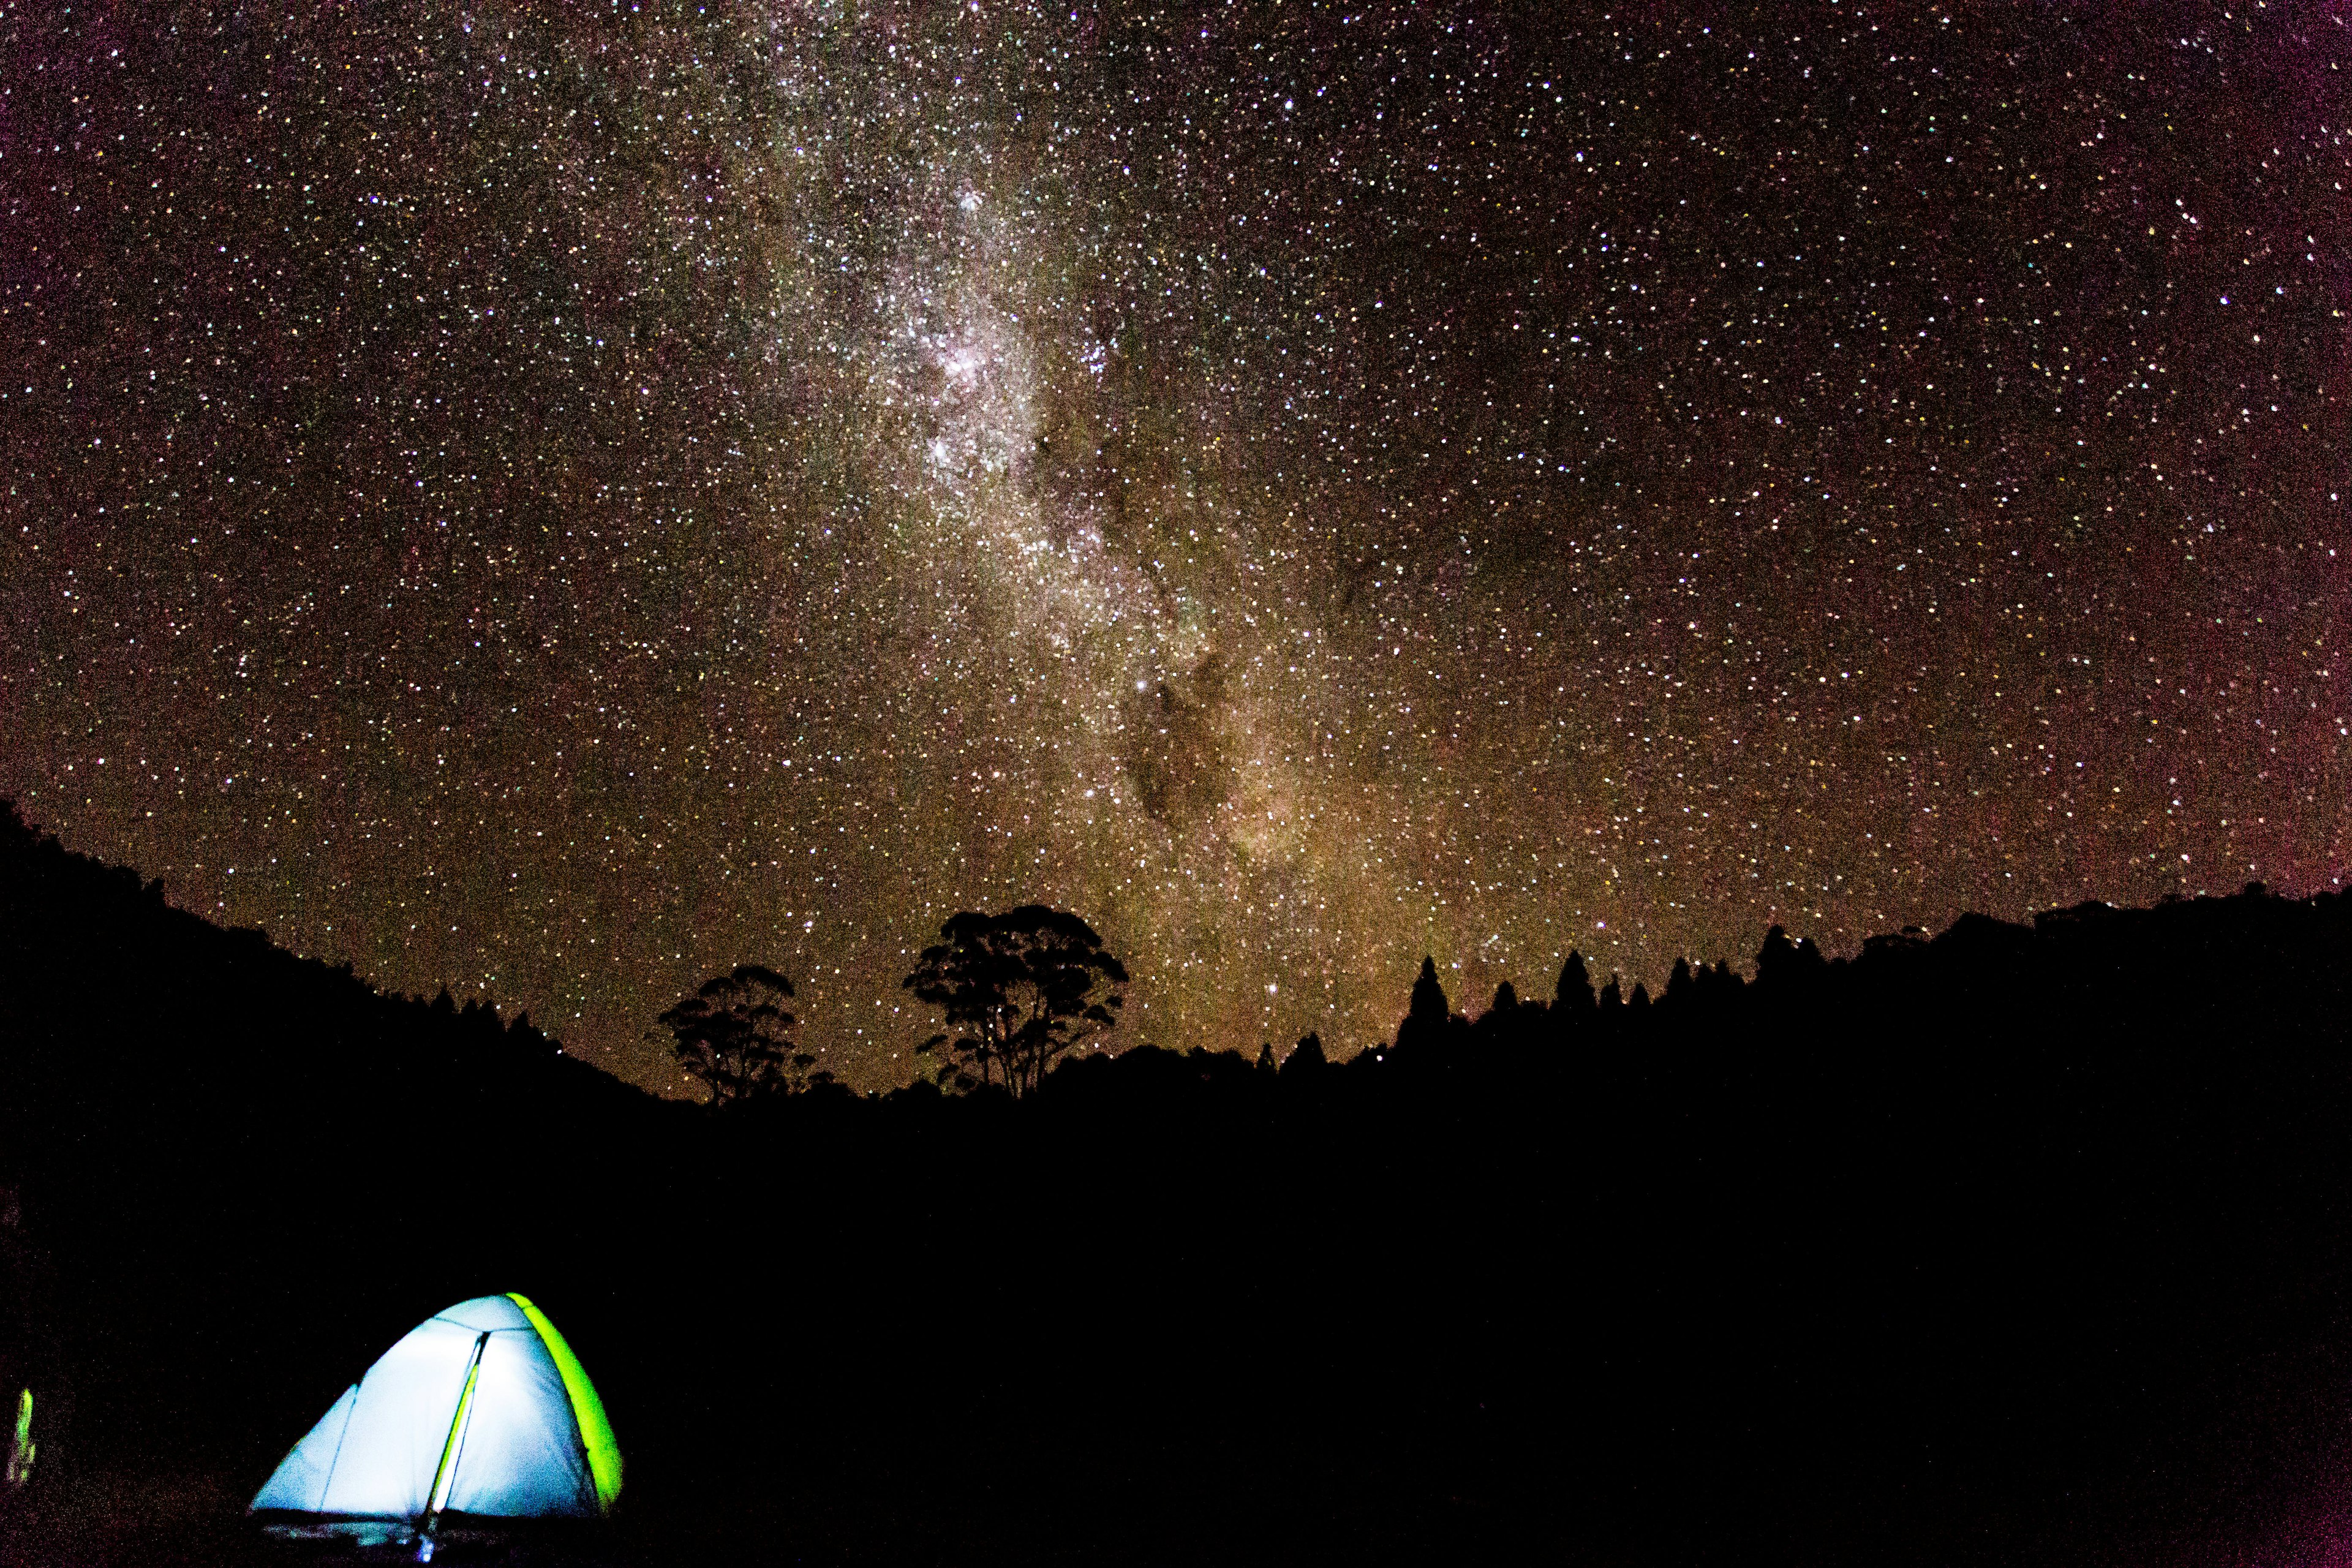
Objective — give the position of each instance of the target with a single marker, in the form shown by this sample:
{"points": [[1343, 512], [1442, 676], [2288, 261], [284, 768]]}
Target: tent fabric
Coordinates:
{"points": [[518, 1448], [300, 1480]]}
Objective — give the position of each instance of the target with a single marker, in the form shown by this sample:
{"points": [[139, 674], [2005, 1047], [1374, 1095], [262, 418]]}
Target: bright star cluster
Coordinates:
{"points": [[559, 501]]}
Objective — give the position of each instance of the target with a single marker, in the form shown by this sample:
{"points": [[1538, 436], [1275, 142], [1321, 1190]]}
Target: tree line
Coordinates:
{"points": [[1020, 991]]}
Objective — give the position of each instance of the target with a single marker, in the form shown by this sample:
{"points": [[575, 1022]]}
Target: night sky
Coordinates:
{"points": [[560, 501]]}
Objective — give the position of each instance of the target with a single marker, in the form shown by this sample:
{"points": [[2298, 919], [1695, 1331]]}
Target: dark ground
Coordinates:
{"points": [[2013, 1247]]}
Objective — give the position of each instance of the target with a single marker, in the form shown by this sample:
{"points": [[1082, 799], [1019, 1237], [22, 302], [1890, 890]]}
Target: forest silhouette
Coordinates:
{"points": [[2010, 1243]]}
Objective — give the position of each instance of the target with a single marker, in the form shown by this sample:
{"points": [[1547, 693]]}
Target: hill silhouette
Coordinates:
{"points": [[2014, 1243], [192, 1113]]}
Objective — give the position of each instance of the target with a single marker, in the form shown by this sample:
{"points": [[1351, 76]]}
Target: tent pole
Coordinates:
{"points": [[445, 1473]]}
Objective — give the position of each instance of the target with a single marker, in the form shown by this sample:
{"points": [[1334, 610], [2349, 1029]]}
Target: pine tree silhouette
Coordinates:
{"points": [[1573, 993], [1425, 1020]]}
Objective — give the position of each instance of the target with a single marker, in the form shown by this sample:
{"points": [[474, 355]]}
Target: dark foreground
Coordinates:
{"points": [[2015, 1246]]}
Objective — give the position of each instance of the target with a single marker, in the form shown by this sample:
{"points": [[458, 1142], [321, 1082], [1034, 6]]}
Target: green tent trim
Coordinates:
{"points": [[587, 1409], [20, 1446]]}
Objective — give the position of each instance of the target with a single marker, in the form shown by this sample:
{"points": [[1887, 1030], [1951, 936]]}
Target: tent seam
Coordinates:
{"points": [[329, 1484]]}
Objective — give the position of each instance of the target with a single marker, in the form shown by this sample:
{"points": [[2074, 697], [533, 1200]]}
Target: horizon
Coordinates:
{"points": [[1462, 1003]]}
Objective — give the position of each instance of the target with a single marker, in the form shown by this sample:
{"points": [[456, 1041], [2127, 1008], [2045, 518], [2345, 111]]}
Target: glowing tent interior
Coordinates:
{"points": [[481, 1410]]}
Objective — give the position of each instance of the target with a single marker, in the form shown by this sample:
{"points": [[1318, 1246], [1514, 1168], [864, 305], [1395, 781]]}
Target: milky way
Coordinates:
{"points": [[559, 502]]}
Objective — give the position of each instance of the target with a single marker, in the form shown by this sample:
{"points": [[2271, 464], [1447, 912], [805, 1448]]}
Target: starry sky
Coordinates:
{"points": [[559, 501]]}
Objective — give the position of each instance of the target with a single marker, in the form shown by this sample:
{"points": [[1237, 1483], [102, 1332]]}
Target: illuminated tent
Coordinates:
{"points": [[480, 1410]]}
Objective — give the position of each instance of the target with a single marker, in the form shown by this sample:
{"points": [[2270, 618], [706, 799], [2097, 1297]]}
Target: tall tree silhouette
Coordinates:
{"points": [[1425, 1018], [734, 1037], [1575, 1009], [1023, 988]]}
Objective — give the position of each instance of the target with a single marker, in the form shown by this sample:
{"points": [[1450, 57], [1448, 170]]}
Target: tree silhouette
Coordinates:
{"points": [[1509, 1022], [1783, 964], [1681, 986], [1572, 995], [1020, 990], [1306, 1057], [1425, 1018], [734, 1037]]}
